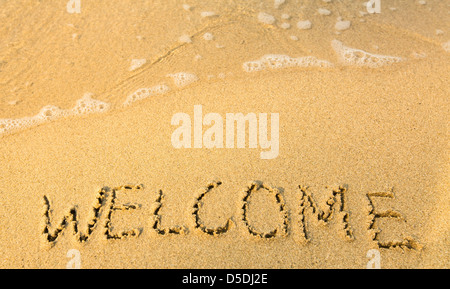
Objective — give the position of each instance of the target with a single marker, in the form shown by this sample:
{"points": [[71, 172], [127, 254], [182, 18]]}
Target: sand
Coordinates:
{"points": [[87, 161]]}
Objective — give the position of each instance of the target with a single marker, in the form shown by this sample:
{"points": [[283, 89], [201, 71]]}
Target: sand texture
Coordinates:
{"points": [[87, 155]]}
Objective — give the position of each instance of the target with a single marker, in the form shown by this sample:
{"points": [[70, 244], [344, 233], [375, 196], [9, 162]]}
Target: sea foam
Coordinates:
{"points": [[182, 79], [185, 38], [275, 61], [323, 11], [137, 63], [446, 46], [357, 57], [304, 25], [85, 105], [266, 18], [342, 25], [208, 36], [278, 3], [206, 14], [143, 93]]}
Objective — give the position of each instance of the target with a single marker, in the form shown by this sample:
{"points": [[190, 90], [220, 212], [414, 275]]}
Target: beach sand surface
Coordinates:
{"points": [[363, 134]]}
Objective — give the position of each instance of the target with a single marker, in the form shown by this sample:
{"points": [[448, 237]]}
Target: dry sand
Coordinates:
{"points": [[363, 110]]}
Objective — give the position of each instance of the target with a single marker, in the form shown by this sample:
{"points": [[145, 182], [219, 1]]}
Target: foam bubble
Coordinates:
{"points": [[182, 79], [342, 25], [266, 18], [418, 55], [253, 66], [208, 36], [88, 105], [323, 11], [446, 46], [205, 14], [278, 3], [136, 63], [285, 25], [50, 112], [352, 56], [275, 61], [304, 25], [143, 93], [85, 105], [185, 38]]}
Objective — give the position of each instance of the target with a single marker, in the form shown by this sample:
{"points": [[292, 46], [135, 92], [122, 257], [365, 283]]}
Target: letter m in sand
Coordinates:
{"points": [[334, 206]]}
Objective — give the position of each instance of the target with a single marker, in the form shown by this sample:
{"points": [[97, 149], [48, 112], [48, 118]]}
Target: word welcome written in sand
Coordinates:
{"points": [[334, 207], [213, 137]]}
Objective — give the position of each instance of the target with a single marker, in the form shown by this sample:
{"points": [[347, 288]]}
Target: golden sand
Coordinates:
{"points": [[87, 161]]}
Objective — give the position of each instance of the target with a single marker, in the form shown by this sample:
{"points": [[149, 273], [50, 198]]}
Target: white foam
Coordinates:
{"points": [[278, 3], [285, 16], [276, 61], [88, 105], [254, 66], [185, 38], [187, 7], [285, 25], [266, 18], [323, 11], [136, 63], [182, 79], [208, 36], [418, 55], [446, 46], [304, 25], [342, 25], [143, 93], [85, 105], [357, 57], [205, 14]]}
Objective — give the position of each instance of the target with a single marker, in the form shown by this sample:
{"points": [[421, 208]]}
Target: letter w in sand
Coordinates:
{"points": [[51, 234], [71, 219]]}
